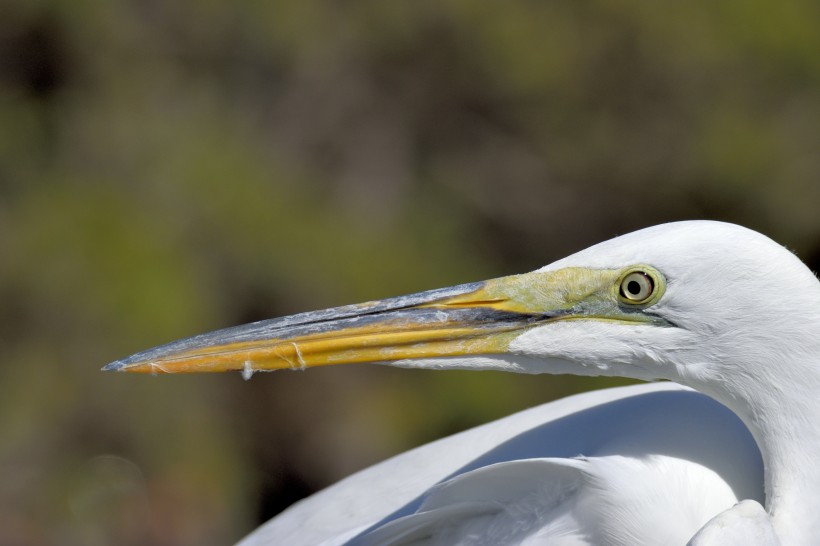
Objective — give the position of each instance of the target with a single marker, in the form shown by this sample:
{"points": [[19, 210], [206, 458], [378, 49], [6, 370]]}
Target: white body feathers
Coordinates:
{"points": [[648, 464]]}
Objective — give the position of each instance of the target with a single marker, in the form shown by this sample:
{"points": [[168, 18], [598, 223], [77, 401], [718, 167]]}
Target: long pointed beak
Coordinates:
{"points": [[470, 319], [476, 318]]}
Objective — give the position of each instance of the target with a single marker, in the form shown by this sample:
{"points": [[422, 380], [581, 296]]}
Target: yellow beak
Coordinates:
{"points": [[462, 320], [469, 319]]}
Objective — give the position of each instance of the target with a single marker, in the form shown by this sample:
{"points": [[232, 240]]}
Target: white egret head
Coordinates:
{"points": [[708, 304], [730, 307]]}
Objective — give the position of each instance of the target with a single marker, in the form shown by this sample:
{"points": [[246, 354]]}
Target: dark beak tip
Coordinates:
{"points": [[116, 366]]}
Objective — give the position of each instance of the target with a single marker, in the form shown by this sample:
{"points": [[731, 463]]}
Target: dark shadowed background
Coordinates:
{"points": [[168, 168]]}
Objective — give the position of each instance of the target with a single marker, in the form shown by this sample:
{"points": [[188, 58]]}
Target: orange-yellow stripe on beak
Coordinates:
{"points": [[356, 346], [468, 319]]}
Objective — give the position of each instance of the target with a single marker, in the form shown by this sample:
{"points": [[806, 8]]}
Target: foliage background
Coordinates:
{"points": [[168, 168]]}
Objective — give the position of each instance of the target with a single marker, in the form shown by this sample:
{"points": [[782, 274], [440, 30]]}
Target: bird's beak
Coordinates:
{"points": [[470, 319]]}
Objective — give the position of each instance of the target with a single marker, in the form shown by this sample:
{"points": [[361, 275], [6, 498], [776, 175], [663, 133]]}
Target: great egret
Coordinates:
{"points": [[712, 306]]}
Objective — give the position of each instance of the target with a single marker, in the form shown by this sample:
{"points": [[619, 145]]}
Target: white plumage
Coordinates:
{"points": [[648, 464], [716, 307]]}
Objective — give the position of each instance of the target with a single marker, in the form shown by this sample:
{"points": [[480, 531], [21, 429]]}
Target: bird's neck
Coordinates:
{"points": [[790, 446], [785, 420]]}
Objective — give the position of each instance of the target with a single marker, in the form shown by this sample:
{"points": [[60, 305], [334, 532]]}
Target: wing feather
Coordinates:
{"points": [[661, 419]]}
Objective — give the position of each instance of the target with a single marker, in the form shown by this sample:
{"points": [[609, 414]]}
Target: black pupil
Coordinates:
{"points": [[634, 287]]}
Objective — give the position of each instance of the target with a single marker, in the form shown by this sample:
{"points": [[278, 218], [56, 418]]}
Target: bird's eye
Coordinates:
{"points": [[637, 287]]}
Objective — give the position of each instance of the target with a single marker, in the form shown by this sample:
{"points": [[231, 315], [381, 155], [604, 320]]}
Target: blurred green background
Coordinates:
{"points": [[168, 168]]}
